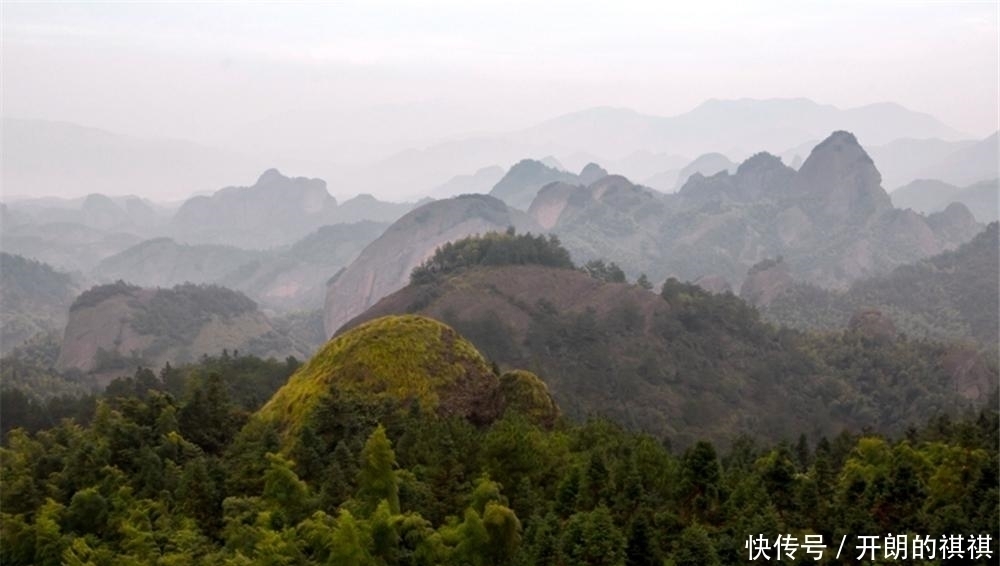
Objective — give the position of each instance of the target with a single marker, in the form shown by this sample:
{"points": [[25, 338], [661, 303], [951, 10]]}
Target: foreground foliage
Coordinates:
{"points": [[163, 474]]}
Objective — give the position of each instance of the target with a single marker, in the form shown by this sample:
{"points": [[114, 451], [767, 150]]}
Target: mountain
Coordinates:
{"points": [[296, 278], [609, 136], [831, 221], [34, 298], [66, 246], [967, 165], [288, 278], [114, 328], [403, 362], [928, 196], [521, 183], [163, 262], [707, 165], [950, 296], [43, 157], [480, 182], [721, 125], [685, 364], [904, 160], [367, 207], [275, 211], [385, 265]]}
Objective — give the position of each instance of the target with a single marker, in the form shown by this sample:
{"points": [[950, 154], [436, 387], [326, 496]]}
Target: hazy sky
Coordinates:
{"points": [[362, 79]]}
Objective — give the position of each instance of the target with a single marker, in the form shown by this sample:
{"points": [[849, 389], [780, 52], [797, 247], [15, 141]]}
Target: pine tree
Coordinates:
{"points": [[377, 476]]}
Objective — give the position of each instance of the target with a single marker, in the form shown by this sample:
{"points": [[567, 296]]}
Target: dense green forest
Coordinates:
{"points": [[175, 469], [950, 296], [493, 248]]}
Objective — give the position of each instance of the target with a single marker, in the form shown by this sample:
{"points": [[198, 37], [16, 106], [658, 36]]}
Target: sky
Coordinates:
{"points": [[403, 73]]}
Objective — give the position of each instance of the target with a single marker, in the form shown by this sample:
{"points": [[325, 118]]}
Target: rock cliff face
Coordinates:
{"points": [[765, 282], [384, 265], [840, 182], [113, 328], [831, 221]]}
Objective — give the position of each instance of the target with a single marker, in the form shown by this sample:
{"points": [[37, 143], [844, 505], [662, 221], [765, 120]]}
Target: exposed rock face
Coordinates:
{"points": [[521, 183], [590, 173], [765, 281], [840, 181], [550, 202], [114, 327], [831, 221], [385, 265]]}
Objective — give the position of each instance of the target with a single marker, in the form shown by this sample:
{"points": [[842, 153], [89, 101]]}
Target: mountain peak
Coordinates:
{"points": [[270, 176], [592, 172], [842, 180]]}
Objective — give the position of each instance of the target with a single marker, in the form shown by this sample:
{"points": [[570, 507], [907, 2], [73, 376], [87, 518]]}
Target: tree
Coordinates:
{"points": [[349, 543], [644, 282], [591, 537], [377, 476], [695, 548]]}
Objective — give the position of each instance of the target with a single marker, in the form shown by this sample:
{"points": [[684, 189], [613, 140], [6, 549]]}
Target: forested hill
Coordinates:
{"points": [[684, 363], [118, 326], [182, 468], [34, 298], [951, 296]]}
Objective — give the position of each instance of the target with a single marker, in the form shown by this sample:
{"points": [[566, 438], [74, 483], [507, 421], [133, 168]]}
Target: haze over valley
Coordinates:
{"points": [[366, 283]]}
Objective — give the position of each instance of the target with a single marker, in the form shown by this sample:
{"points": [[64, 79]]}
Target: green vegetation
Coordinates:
{"points": [[30, 368], [96, 295], [34, 299], [951, 296], [690, 364], [404, 359], [159, 472], [181, 311], [492, 248]]}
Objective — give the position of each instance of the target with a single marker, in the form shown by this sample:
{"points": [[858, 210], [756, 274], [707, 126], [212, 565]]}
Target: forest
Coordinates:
{"points": [[170, 468]]}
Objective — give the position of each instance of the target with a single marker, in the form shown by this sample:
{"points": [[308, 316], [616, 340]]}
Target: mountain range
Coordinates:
{"points": [[684, 364]]}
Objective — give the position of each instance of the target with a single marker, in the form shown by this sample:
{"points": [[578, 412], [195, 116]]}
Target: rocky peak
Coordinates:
{"points": [[765, 281], [955, 223], [591, 173], [840, 181], [521, 183], [272, 175], [762, 175]]}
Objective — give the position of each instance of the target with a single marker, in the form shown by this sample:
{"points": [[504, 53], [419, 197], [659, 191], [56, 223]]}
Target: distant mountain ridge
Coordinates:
{"points": [[950, 296], [288, 278], [831, 220], [930, 195]]}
